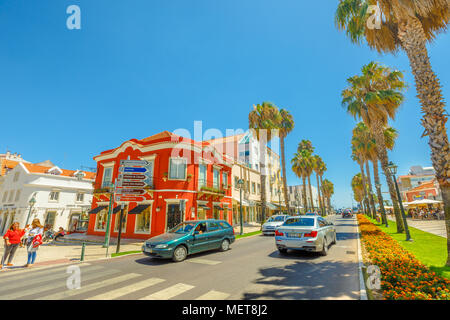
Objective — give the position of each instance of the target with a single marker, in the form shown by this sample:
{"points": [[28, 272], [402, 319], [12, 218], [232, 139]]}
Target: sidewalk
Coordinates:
{"points": [[436, 227]]}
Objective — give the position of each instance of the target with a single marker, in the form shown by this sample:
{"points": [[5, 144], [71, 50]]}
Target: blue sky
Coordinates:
{"points": [[140, 67]]}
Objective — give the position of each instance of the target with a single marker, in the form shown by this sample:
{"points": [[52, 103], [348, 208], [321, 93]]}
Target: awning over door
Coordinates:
{"points": [[97, 210], [139, 208], [203, 206], [218, 207], [116, 209]]}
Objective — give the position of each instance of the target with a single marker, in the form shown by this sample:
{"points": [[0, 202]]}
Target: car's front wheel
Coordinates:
{"points": [[179, 254], [225, 245]]}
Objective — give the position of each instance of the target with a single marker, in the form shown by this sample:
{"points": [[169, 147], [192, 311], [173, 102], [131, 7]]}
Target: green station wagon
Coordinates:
{"points": [[190, 237]]}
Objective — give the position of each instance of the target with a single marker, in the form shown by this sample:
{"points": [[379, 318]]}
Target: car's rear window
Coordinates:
{"points": [[299, 222], [224, 224], [277, 219]]}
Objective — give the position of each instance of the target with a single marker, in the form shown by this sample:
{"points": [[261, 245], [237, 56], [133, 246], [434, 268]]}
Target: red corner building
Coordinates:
{"points": [[190, 180]]}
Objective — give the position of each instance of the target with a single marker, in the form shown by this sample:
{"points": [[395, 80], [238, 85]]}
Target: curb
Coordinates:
{"points": [[362, 286]]}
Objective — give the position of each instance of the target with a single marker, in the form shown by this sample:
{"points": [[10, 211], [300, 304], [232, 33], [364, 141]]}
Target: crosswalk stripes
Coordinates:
{"points": [[11, 275], [38, 280], [55, 285], [90, 287], [114, 294], [169, 292], [213, 295]]}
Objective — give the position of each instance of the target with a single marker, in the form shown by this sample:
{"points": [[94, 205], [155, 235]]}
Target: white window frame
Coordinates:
{"points": [[17, 197], [185, 171], [57, 192], [16, 176], [224, 179], [205, 177], [79, 193], [111, 167], [5, 196], [216, 181], [11, 196]]}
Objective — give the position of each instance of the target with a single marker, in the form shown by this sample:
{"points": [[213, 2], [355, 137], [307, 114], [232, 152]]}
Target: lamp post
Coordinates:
{"points": [[393, 170], [383, 212], [241, 184], [32, 202]]}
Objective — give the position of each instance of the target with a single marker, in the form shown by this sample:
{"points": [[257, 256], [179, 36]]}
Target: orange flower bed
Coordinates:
{"points": [[403, 277]]}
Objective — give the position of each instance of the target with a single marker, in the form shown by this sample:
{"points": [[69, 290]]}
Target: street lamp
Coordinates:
{"points": [[32, 202], [383, 212], [241, 184], [393, 170]]}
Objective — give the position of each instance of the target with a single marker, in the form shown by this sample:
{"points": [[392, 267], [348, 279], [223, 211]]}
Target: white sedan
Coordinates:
{"points": [[307, 233]]}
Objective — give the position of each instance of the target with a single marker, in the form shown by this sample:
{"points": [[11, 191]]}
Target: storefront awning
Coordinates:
{"points": [[271, 206], [203, 206], [139, 208], [218, 207], [116, 209], [97, 210]]}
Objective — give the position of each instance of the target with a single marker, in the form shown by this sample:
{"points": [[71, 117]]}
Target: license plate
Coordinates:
{"points": [[149, 250], [294, 235]]}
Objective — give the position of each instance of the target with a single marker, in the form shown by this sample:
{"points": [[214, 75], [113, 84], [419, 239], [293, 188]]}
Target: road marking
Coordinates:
{"points": [[90, 287], [213, 295], [204, 261], [114, 294], [27, 283], [55, 285], [168, 293], [41, 270]]}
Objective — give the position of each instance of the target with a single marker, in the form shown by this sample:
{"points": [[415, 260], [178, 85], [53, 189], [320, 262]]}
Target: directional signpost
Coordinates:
{"points": [[134, 176]]}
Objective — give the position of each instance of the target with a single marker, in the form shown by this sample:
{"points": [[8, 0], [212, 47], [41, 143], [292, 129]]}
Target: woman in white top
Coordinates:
{"points": [[36, 228]]}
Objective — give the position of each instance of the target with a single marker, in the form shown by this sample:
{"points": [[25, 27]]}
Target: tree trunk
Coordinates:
{"points": [[369, 184], [377, 131], [305, 202], [310, 194], [318, 192], [379, 194], [412, 37], [366, 198], [283, 164], [263, 175]]}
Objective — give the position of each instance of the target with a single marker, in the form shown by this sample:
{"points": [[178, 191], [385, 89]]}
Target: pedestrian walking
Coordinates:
{"points": [[13, 238], [34, 241]]}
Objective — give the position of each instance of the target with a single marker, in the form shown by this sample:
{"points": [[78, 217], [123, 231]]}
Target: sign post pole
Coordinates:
{"points": [[108, 220], [120, 227]]}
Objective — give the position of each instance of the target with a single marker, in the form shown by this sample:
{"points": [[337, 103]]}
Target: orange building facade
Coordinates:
{"points": [[190, 180]]}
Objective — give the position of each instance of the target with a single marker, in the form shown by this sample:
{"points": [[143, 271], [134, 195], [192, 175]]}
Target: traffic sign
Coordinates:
{"points": [[129, 198], [140, 163], [127, 183], [128, 191], [136, 176], [133, 169]]}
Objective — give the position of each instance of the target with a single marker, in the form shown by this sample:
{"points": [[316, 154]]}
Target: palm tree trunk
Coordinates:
{"points": [[263, 175], [369, 184], [323, 195], [376, 177], [413, 39], [305, 202], [318, 192], [310, 194], [283, 165], [366, 198], [380, 143]]}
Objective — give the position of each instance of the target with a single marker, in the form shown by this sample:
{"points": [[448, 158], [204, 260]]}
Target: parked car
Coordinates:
{"points": [[347, 214], [307, 233], [190, 237], [312, 214], [273, 223]]}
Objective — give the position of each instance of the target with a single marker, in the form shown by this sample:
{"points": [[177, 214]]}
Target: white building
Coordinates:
{"points": [[62, 197], [295, 194]]}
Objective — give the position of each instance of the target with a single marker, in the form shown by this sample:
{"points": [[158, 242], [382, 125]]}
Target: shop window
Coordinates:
{"points": [[100, 220], [143, 220]]}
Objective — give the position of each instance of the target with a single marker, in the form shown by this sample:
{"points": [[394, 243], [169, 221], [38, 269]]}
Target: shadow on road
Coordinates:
{"points": [[295, 255], [308, 280], [149, 261]]}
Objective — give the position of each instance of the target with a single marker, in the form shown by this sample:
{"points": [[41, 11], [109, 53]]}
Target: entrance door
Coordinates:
{"points": [[50, 220], [201, 214], [73, 222], [173, 216]]}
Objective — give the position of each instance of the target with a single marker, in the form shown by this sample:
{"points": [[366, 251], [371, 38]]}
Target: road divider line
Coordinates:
{"points": [[213, 295], [169, 292], [114, 294]]}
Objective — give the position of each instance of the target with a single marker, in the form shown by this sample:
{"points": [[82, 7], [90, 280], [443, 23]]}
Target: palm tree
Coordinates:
{"points": [[409, 25], [364, 144], [375, 97], [321, 173], [318, 169], [306, 149], [328, 191], [358, 158], [285, 126], [358, 188], [263, 121], [299, 168]]}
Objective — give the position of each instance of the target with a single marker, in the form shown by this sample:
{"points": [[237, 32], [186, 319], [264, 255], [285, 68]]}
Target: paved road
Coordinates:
{"points": [[252, 269]]}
